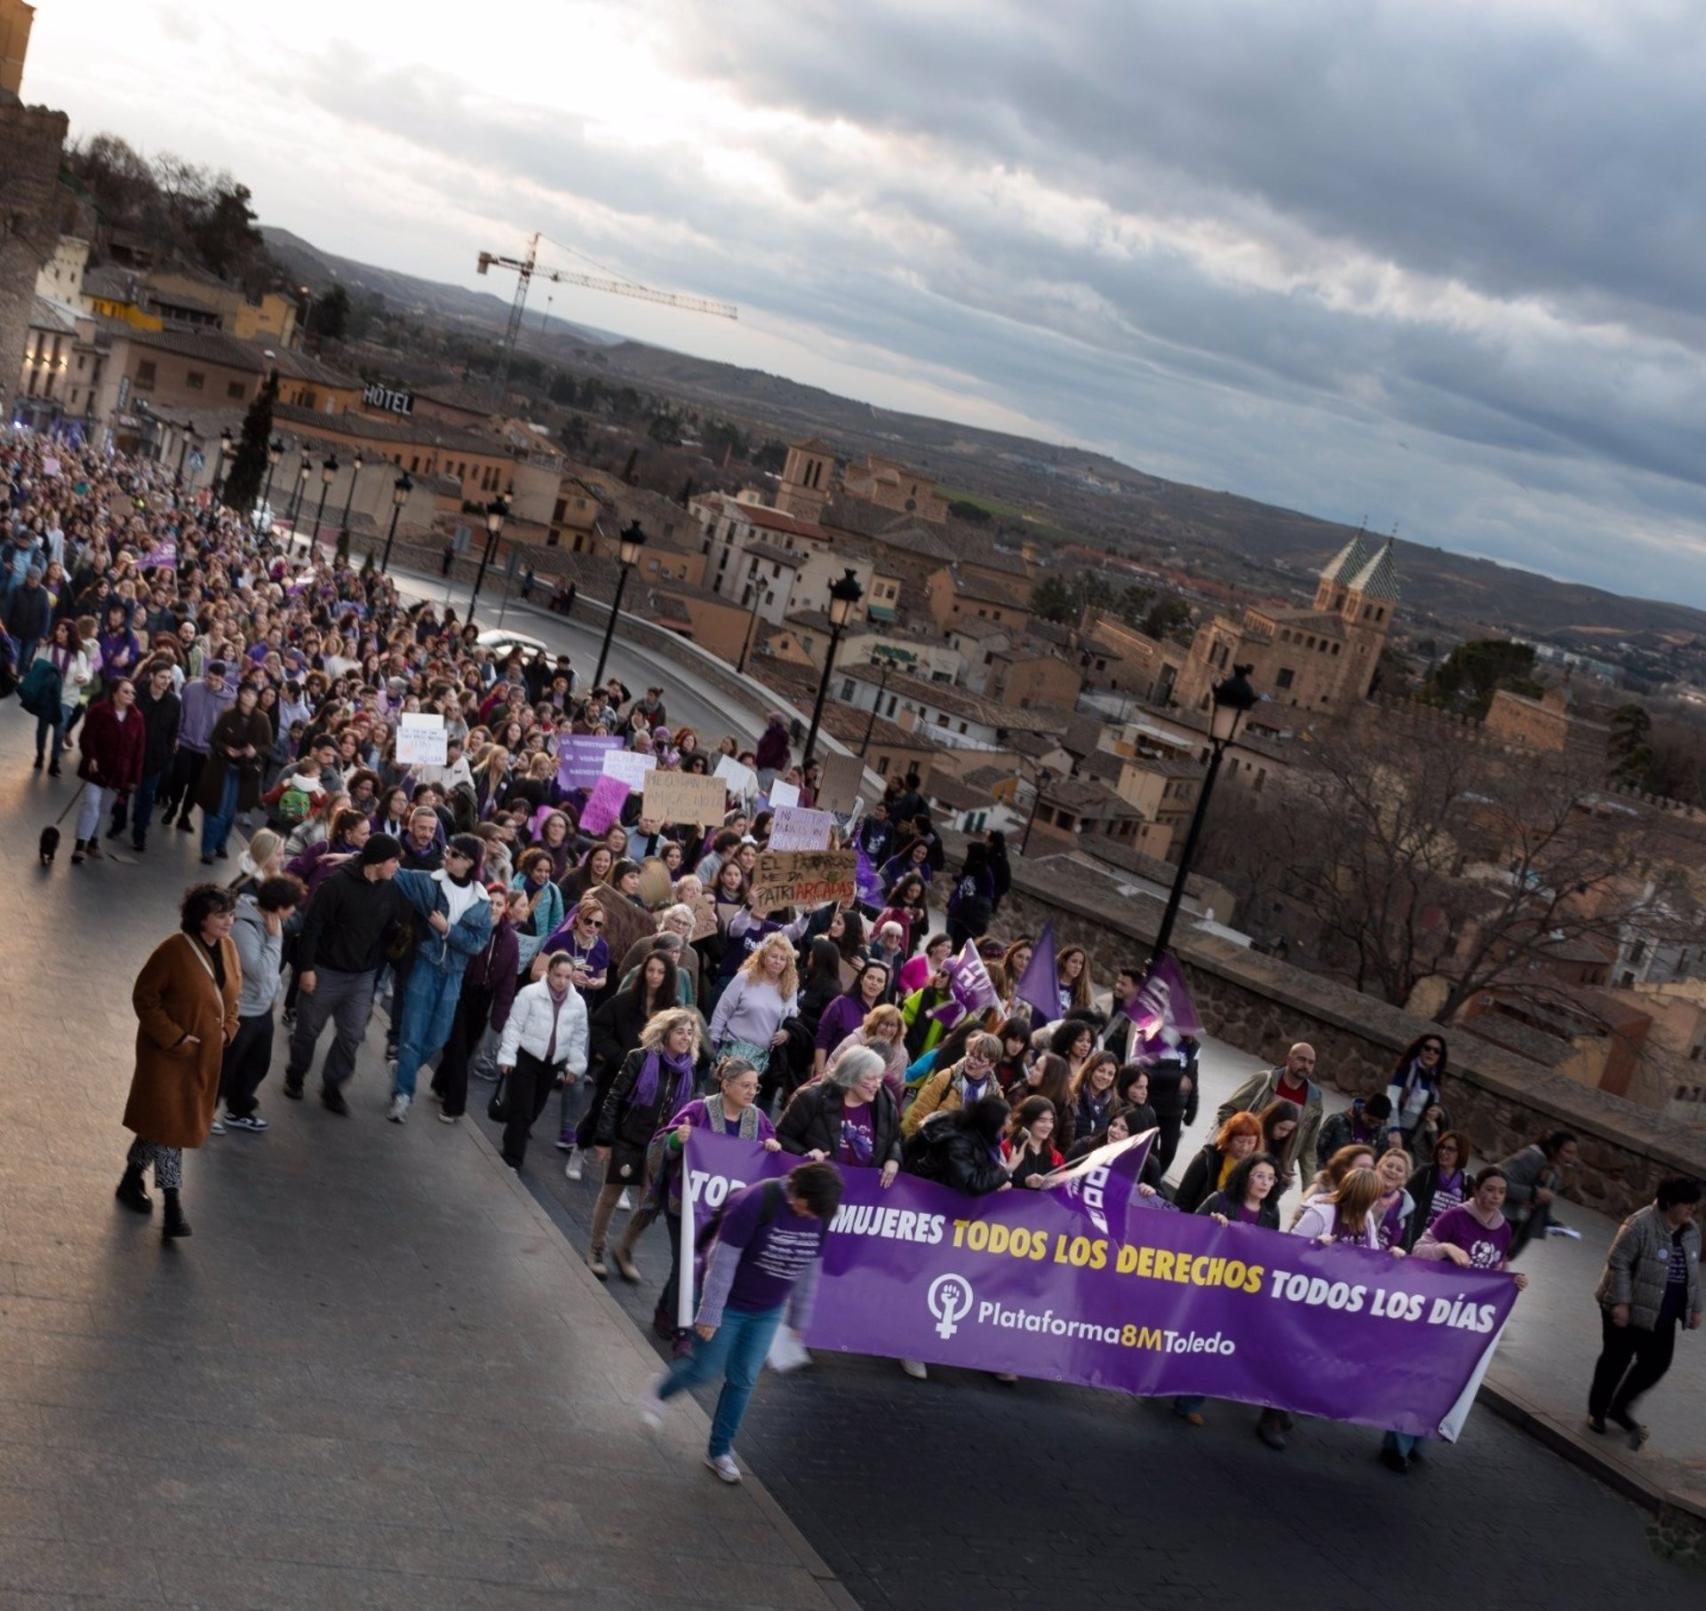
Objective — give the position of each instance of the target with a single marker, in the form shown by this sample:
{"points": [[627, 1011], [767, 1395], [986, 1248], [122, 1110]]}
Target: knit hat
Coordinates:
{"points": [[470, 845], [380, 847]]}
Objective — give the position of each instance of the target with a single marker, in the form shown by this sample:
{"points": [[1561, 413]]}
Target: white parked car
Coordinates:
{"points": [[500, 640]]}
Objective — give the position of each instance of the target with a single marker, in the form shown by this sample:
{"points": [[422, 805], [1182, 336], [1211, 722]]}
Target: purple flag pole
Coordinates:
{"points": [[1039, 984]]}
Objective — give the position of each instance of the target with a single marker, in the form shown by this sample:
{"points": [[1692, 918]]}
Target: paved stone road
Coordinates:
{"points": [[929, 1496], [373, 1378]]}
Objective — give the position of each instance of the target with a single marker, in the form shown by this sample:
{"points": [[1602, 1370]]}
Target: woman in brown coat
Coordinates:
{"points": [[230, 782], [186, 1010]]}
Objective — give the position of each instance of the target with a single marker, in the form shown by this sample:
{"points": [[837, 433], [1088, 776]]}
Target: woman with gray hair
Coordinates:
{"points": [[848, 1117], [676, 921]]}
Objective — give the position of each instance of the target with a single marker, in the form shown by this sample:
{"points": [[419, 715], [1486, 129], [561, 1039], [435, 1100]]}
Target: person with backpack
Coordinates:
{"points": [[53, 688], [763, 1264], [972, 904]]}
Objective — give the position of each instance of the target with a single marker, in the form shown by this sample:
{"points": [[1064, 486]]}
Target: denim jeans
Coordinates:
{"points": [[216, 825], [1404, 1442], [139, 810], [736, 1352], [56, 725]]}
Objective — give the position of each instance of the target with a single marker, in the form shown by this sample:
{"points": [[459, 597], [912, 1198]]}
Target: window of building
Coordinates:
{"points": [[194, 379], [1284, 677], [941, 720], [145, 375], [847, 688], [553, 537], [234, 390], [962, 727], [882, 766], [1335, 648]]}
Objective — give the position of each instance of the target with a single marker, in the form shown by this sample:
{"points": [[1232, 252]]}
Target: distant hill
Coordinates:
{"points": [[1055, 488]]}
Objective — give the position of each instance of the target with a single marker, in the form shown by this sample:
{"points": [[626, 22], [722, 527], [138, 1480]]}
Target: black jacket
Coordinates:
{"points": [[627, 1126], [614, 1030], [28, 613], [813, 1121], [1219, 1203], [348, 922], [966, 1164], [160, 719], [1201, 1177]]}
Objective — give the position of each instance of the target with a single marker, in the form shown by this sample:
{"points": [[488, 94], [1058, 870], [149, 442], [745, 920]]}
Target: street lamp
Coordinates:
{"points": [[1044, 778], [349, 496], [399, 496], [843, 595], [882, 688], [297, 496], [275, 452], [628, 545], [227, 448], [497, 512], [328, 474], [1233, 700], [183, 451]]}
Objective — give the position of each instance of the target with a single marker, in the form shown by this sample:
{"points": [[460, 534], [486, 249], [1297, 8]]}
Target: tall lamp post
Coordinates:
{"points": [[275, 452], [328, 474], [629, 544], [190, 439], [497, 512], [1044, 778], [349, 496], [400, 491], [227, 448], [843, 595], [1233, 700], [297, 496], [882, 688]]}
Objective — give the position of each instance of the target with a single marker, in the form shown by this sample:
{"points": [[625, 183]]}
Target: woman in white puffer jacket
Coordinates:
{"points": [[543, 1042]]}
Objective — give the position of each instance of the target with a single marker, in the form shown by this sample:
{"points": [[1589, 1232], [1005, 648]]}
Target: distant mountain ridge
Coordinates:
{"points": [[1078, 490]]}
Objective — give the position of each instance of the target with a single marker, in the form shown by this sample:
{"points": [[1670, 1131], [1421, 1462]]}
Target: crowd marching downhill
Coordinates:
{"points": [[209, 681]]}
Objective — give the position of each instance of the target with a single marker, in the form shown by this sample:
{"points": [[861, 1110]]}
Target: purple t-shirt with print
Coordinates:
{"points": [[774, 1256], [1487, 1249]]}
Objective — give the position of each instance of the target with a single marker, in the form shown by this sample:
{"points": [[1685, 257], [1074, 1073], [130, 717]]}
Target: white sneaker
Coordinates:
{"points": [[572, 1169], [651, 1406], [449, 1118], [915, 1369], [217, 1128], [399, 1109], [625, 1201], [724, 1466]]}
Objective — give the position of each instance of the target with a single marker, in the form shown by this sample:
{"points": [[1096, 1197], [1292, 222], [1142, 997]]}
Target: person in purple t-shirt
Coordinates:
{"points": [[765, 1259]]}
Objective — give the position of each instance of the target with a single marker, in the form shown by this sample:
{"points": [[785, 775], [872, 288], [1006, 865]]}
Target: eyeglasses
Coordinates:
{"points": [[594, 922]]}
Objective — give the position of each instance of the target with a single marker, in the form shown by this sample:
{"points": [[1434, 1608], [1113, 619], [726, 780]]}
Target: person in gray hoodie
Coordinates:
{"points": [[202, 703], [258, 934]]}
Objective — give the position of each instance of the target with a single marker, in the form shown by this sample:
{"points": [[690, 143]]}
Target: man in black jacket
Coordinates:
{"points": [[29, 611], [161, 711], [338, 955]]}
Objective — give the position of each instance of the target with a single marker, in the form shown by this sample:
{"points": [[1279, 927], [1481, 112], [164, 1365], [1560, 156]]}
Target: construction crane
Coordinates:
{"points": [[527, 269]]}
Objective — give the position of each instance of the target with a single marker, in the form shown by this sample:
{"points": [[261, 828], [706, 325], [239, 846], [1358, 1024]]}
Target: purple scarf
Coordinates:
{"points": [[646, 1086]]}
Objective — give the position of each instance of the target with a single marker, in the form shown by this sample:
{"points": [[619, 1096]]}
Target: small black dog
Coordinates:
{"points": [[49, 845]]}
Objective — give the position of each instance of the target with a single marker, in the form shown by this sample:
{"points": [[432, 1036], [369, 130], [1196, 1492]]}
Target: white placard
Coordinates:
{"points": [[421, 740], [800, 828], [784, 794], [629, 766], [741, 781]]}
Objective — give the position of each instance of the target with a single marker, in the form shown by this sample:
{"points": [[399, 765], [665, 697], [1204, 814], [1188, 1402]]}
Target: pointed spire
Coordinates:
{"points": [[1349, 559], [1378, 577]]}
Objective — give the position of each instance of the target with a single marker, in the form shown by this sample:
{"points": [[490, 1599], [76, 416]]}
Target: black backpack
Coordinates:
{"points": [[922, 1153]]}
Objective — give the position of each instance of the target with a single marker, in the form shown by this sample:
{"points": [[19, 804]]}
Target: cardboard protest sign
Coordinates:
{"points": [[580, 758], [629, 766], [782, 794], [839, 782], [802, 878], [742, 781], [421, 739], [704, 918], [800, 828], [684, 797], [654, 882], [604, 805]]}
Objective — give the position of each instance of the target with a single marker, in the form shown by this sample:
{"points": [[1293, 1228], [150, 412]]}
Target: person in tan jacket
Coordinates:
{"points": [[956, 1087], [186, 1011]]}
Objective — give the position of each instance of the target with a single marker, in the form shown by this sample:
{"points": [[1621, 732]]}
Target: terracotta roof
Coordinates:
{"points": [[957, 702], [990, 589], [420, 433], [1089, 798], [779, 556], [758, 514]]}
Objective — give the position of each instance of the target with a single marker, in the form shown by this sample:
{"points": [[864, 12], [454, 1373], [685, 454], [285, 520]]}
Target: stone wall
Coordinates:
{"points": [[31, 138], [1262, 1005]]}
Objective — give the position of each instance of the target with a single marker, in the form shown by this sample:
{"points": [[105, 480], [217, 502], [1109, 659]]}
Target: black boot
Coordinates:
{"points": [[132, 1193], [174, 1223]]}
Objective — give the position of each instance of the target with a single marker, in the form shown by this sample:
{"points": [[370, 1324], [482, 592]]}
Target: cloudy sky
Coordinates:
{"points": [[1435, 262]]}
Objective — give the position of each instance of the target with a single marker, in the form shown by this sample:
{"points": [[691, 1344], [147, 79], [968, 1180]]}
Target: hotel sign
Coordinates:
{"points": [[388, 401]]}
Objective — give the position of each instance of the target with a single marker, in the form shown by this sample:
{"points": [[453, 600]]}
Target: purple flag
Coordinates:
{"points": [[1163, 1011], [1039, 984], [970, 989], [865, 879], [1160, 1305], [1103, 1184]]}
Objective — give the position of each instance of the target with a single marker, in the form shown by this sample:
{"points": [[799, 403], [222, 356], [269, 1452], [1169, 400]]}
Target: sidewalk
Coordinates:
{"points": [[1539, 1377], [376, 1375]]}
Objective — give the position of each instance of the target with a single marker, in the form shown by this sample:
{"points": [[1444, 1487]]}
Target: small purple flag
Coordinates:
{"points": [[865, 879], [1103, 1184], [970, 989], [1039, 984], [1163, 1011]]}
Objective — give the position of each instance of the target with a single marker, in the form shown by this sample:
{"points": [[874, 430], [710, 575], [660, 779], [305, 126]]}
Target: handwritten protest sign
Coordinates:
{"points": [[684, 797], [629, 766], [839, 782], [421, 739], [742, 781], [162, 556], [800, 828], [802, 878], [580, 758], [782, 794], [704, 918], [604, 805]]}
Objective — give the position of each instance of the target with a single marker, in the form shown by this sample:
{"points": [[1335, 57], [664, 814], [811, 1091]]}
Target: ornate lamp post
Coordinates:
{"points": [[629, 545], [843, 595], [497, 512], [400, 491]]}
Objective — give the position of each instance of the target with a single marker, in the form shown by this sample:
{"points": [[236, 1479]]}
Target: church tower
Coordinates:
{"points": [[805, 485], [1365, 605]]}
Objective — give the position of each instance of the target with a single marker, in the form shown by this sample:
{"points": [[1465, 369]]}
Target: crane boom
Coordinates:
{"points": [[526, 268]]}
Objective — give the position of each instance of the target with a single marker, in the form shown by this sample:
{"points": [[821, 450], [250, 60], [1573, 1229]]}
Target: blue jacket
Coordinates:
{"points": [[449, 953]]}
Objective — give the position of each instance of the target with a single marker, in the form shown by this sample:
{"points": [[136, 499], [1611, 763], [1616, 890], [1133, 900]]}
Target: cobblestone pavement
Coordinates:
{"points": [[374, 1377], [958, 1491]]}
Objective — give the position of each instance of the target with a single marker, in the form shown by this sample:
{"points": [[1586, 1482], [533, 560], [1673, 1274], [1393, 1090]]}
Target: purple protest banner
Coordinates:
{"points": [[604, 805], [162, 557], [580, 758], [1156, 1304]]}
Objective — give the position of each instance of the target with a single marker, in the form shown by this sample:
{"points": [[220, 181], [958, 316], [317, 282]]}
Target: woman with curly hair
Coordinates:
{"points": [[761, 997]]}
